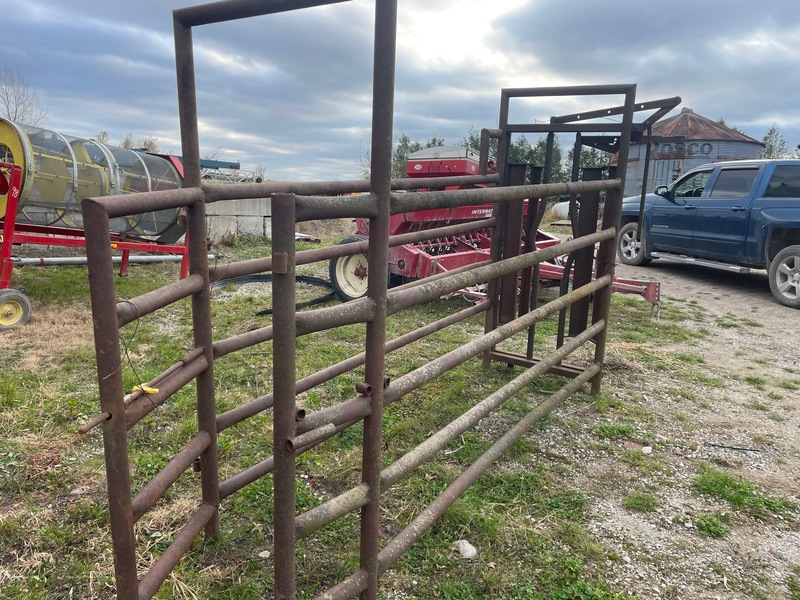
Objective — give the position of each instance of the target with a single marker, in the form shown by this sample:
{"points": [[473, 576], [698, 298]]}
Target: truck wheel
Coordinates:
{"points": [[784, 276], [348, 274], [629, 247], [15, 309]]}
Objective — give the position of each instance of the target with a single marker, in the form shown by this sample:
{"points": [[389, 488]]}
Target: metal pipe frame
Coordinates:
{"points": [[294, 432], [352, 499], [358, 407], [214, 192]]}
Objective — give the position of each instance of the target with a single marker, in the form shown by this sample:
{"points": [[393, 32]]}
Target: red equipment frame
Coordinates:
{"points": [[45, 235], [417, 261]]}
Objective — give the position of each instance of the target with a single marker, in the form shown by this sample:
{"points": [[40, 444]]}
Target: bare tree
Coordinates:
{"points": [[127, 141], [148, 143], [215, 153], [18, 101], [101, 136]]}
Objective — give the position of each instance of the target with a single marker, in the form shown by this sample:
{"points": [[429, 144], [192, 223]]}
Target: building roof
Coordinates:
{"points": [[697, 127]]}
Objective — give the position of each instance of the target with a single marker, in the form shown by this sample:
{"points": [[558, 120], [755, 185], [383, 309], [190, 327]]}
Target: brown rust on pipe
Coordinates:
{"points": [[259, 265], [141, 202], [411, 201], [395, 548], [155, 488], [354, 498], [215, 192], [129, 398], [135, 308], [262, 403], [356, 407], [145, 404], [159, 572], [430, 289]]}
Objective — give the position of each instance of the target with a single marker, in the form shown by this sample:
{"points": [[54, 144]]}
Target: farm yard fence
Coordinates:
{"points": [[511, 308]]}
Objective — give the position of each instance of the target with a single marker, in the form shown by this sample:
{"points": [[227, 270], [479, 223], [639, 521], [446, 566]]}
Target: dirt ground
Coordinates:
{"points": [[748, 426]]}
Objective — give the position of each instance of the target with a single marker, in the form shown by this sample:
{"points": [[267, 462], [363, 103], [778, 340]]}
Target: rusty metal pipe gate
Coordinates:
{"points": [[509, 312]]}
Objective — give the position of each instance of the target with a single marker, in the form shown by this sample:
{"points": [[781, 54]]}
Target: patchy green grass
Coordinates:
{"points": [[742, 495], [614, 431], [712, 525], [641, 502]]}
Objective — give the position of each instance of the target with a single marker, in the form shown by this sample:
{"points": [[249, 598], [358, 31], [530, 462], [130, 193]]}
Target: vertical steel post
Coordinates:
{"points": [[498, 212], [645, 183], [512, 244], [606, 253], [381, 187], [582, 270], [198, 265], [530, 277], [283, 389], [109, 379]]}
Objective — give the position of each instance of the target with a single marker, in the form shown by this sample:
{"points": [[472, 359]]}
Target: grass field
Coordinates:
{"points": [[530, 516]]}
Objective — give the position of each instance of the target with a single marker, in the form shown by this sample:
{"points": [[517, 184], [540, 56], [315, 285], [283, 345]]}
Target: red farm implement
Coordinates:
{"points": [[15, 306], [450, 251]]}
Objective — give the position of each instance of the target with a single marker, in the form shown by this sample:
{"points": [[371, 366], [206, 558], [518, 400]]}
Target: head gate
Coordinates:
{"points": [[510, 269]]}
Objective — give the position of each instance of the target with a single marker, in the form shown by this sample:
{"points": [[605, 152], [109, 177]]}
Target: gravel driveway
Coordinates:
{"points": [[745, 424]]}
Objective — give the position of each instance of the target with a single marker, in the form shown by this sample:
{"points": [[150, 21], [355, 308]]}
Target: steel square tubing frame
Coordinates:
{"points": [[605, 260]]}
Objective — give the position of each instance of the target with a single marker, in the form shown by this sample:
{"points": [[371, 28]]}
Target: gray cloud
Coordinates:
{"points": [[293, 91]]}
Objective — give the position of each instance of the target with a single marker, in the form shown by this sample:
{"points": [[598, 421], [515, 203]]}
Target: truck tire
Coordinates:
{"points": [[349, 274], [784, 276], [629, 248]]}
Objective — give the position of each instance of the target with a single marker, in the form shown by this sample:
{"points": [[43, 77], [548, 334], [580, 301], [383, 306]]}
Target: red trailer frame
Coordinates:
{"points": [[15, 307], [442, 254]]}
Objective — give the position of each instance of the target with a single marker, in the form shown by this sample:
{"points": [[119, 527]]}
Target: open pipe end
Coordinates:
{"points": [[300, 414], [364, 388]]}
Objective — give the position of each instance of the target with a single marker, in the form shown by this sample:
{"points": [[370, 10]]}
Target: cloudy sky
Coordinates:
{"points": [[292, 92]]}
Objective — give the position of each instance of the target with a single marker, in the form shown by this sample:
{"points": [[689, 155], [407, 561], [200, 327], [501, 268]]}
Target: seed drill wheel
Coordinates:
{"points": [[15, 309], [349, 273]]}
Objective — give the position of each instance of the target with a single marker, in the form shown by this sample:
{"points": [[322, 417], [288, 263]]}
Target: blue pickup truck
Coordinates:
{"points": [[735, 215]]}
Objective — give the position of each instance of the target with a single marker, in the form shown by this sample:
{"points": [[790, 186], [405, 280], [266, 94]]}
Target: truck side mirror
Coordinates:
{"points": [[662, 191]]}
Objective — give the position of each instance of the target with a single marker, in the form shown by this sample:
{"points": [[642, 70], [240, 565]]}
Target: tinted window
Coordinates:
{"points": [[785, 182], [734, 183]]}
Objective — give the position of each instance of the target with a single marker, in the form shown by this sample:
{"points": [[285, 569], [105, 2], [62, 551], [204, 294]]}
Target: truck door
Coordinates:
{"points": [[672, 217], [721, 217]]}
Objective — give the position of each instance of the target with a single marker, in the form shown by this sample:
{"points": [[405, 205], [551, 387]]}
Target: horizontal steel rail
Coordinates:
{"points": [[412, 201], [140, 306], [392, 552], [155, 488], [159, 572], [141, 202], [240, 413], [149, 401], [431, 289], [359, 406], [354, 498], [214, 192], [225, 271]]}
